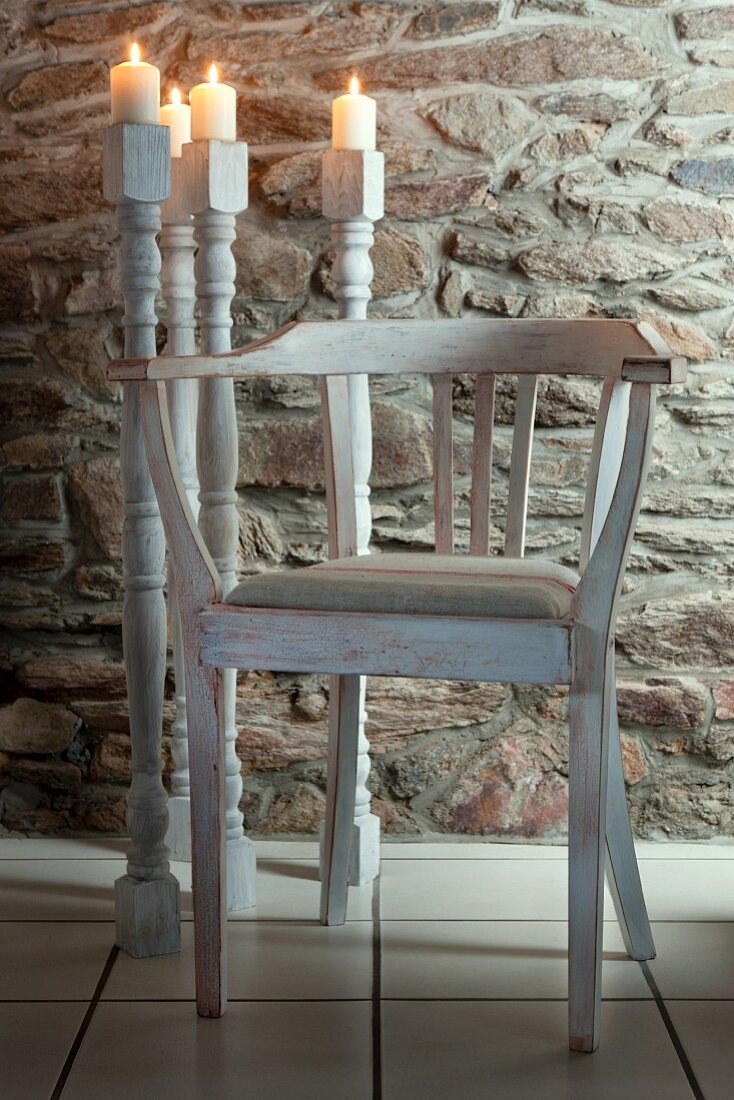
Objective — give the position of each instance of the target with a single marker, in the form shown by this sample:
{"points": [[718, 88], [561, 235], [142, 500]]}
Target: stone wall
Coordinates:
{"points": [[544, 158]]}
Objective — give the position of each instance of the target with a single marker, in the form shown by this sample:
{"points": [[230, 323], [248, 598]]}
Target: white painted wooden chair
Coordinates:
{"points": [[470, 618]]}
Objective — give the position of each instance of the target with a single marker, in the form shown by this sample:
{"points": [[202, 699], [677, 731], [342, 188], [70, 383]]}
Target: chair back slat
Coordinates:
{"points": [[606, 459], [522, 446], [338, 475], [481, 465], [443, 463]]}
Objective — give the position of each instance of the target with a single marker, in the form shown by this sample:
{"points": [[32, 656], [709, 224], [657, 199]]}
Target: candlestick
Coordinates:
{"points": [[353, 189], [177, 116], [215, 181], [137, 174], [135, 90], [353, 120], [177, 282], [213, 110]]}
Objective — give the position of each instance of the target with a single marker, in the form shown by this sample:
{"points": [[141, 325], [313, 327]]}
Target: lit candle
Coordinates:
{"points": [[135, 90], [177, 115], [213, 110], [353, 120]]}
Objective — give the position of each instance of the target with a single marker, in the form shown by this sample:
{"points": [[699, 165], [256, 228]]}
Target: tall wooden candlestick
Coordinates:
{"points": [[215, 182], [137, 179], [177, 282], [353, 192]]}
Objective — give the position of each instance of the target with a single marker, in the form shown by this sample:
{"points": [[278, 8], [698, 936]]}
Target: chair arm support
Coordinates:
{"points": [[654, 369], [197, 580], [597, 596]]}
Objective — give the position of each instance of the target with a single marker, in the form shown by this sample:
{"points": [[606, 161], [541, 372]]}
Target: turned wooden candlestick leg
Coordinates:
{"points": [[216, 188], [177, 282], [352, 197], [136, 178]]}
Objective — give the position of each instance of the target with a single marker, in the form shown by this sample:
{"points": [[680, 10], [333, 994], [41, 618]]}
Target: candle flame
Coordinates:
{"points": [[135, 54], [354, 86], [176, 97], [213, 75]]}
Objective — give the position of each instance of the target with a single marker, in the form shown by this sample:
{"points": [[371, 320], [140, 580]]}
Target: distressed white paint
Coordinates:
{"points": [[177, 284], [215, 189], [352, 197], [137, 179], [577, 650]]}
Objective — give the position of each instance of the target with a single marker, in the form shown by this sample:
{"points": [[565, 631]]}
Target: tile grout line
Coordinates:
{"points": [[79, 1038], [376, 991], [673, 1034]]}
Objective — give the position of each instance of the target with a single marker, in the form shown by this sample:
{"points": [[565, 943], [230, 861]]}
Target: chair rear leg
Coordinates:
{"points": [[623, 874], [344, 710], [588, 759], [205, 719]]}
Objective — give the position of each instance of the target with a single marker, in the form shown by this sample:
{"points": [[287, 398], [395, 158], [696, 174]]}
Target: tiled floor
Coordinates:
{"points": [[457, 992]]}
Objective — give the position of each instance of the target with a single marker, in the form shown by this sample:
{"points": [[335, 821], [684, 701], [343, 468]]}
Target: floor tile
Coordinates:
{"points": [[517, 1051], [721, 848], [69, 847], [688, 889], [286, 890], [35, 1040], [494, 959], [287, 849], [471, 848], [705, 1030], [694, 960], [58, 889], [41, 961], [267, 1051], [287, 961], [424, 889]]}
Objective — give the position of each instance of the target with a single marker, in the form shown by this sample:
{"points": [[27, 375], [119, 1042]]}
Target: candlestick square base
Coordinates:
{"points": [[215, 176], [147, 916], [136, 162], [353, 184]]}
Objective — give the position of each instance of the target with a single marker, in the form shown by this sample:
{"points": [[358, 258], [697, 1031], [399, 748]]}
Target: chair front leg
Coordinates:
{"points": [[205, 715], [344, 714], [623, 874], [589, 713]]}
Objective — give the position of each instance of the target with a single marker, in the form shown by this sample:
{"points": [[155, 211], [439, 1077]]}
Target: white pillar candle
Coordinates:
{"points": [[177, 116], [353, 120], [135, 90], [213, 110]]}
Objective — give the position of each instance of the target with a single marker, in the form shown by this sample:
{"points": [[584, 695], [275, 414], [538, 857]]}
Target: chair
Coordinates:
{"points": [[472, 617]]}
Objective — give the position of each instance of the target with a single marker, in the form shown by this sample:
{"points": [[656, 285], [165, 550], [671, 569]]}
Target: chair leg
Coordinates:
{"points": [[588, 759], [623, 874], [344, 710], [205, 714]]}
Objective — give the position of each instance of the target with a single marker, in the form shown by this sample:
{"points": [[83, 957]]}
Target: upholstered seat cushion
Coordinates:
{"points": [[418, 584]]}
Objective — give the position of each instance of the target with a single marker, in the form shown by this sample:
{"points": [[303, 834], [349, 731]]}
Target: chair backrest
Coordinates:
{"points": [[620, 353], [604, 464]]}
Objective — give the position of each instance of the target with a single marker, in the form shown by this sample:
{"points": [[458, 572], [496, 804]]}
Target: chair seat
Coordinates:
{"points": [[418, 584]]}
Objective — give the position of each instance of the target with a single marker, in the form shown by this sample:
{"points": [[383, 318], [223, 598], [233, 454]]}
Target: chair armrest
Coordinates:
{"points": [[198, 584], [597, 596]]}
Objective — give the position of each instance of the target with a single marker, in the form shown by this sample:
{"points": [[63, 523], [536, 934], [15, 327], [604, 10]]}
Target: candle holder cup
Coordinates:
{"points": [[352, 198], [137, 179]]}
